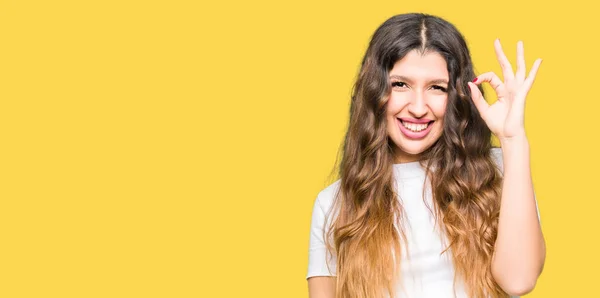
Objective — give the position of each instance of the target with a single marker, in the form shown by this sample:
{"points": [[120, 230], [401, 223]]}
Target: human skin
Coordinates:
{"points": [[520, 249]]}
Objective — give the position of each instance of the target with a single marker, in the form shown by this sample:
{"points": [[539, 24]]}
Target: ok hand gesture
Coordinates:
{"points": [[505, 117]]}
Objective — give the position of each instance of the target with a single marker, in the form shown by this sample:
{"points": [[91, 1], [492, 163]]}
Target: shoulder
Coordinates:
{"points": [[326, 196]]}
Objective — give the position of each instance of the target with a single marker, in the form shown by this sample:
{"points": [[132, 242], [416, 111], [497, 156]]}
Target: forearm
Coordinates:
{"points": [[520, 249]]}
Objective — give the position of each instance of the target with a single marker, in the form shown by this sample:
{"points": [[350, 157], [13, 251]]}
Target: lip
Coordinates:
{"points": [[414, 135], [417, 121]]}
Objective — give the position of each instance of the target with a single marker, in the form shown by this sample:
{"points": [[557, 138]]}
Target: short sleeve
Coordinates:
{"points": [[497, 157], [317, 252]]}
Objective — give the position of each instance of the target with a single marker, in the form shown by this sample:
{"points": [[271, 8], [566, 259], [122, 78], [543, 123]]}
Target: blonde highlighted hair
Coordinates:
{"points": [[366, 234]]}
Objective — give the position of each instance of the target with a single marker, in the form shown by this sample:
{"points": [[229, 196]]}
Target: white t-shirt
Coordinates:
{"points": [[425, 273]]}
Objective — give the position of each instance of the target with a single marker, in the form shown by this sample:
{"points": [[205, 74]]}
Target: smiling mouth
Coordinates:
{"points": [[416, 127]]}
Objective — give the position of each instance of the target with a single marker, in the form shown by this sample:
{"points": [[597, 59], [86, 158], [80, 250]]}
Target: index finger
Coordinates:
{"points": [[494, 81], [507, 70]]}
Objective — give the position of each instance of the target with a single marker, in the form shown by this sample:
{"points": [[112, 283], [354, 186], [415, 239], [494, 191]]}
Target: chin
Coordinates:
{"points": [[415, 147], [413, 150]]}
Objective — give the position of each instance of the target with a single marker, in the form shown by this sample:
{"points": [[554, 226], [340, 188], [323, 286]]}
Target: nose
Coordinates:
{"points": [[417, 105]]}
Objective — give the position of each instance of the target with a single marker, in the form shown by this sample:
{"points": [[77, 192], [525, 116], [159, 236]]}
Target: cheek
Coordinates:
{"points": [[439, 110], [438, 107], [395, 102]]}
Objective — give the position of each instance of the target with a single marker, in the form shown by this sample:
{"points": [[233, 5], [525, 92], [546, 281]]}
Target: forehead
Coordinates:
{"points": [[429, 65]]}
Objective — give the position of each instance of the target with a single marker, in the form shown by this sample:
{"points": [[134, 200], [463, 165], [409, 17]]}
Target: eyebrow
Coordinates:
{"points": [[433, 81]]}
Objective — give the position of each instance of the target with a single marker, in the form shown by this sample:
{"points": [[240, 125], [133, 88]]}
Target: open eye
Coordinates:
{"points": [[398, 84], [437, 87]]}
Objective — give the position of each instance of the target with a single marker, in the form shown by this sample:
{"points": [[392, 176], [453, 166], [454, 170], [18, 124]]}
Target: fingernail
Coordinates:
{"points": [[474, 80]]}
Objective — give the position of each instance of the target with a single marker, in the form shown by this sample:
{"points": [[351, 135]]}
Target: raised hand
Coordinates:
{"points": [[505, 117]]}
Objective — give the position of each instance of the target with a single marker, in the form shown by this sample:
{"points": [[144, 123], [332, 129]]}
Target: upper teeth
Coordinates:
{"points": [[414, 126]]}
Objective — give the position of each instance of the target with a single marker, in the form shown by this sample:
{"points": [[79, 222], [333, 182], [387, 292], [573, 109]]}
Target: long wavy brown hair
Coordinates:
{"points": [[365, 233]]}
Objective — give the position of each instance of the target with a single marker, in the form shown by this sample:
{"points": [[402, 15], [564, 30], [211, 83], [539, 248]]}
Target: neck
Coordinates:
{"points": [[403, 157]]}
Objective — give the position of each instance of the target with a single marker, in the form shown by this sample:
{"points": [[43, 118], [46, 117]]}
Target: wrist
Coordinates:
{"points": [[519, 139], [514, 145]]}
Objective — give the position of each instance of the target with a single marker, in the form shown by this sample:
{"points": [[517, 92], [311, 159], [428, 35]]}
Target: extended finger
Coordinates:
{"points": [[507, 70], [494, 81], [520, 76], [532, 73]]}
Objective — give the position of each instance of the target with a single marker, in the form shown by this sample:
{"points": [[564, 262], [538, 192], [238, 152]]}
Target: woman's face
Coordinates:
{"points": [[417, 103]]}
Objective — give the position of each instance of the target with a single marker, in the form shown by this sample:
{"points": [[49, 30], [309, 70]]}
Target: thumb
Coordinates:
{"points": [[478, 99]]}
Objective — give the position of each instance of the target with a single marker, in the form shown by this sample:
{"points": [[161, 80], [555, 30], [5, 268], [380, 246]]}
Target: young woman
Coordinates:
{"points": [[424, 206]]}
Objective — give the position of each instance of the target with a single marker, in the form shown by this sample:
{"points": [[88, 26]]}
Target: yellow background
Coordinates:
{"points": [[175, 148]]}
